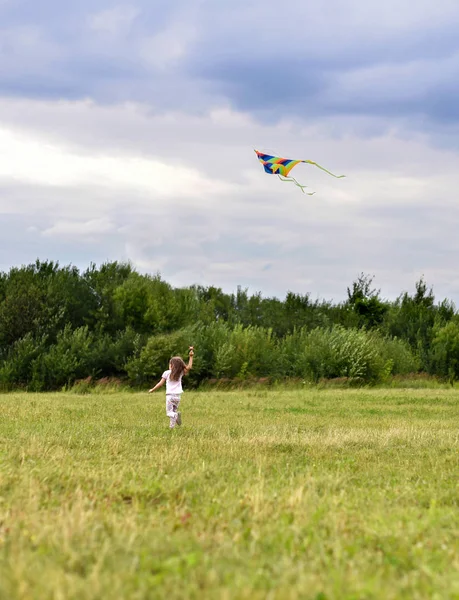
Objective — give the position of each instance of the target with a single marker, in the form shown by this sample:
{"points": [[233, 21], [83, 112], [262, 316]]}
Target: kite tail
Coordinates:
{"points": [[293, 180], [311, 162]]}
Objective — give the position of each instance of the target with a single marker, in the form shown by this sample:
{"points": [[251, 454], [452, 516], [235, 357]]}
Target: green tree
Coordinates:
{"points": [[103, 282], [23, 309], [366, 303], [412, 318]]}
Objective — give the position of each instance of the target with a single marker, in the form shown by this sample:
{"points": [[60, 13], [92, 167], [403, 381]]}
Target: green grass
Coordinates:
{"points": [[321, 494]]}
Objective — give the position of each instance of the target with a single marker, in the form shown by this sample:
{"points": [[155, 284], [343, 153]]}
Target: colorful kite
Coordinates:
{"points": [[274, 165]]}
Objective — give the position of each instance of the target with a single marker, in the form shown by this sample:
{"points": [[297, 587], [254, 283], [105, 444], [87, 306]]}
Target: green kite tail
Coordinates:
{"points": [[311, 162], [293, 180]]}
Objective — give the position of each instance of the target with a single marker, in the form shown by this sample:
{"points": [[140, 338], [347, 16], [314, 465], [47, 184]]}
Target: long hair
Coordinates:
{"points": [[177, 368]]}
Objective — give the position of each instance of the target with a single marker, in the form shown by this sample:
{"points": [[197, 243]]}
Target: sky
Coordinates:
{"points": [[127, 133]]}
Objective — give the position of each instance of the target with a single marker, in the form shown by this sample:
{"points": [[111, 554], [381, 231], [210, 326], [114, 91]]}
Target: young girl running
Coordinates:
{"points": [[173, 380]]}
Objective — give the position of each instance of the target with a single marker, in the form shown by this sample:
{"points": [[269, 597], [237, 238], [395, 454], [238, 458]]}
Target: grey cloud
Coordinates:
{"points": [[377, 59], [403, 67], [22, 243], [311, 246], [395, 216], [52, 50]]}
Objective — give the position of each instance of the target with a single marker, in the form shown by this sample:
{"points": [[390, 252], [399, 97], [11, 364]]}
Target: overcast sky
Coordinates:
{"points": [[127, 133]]}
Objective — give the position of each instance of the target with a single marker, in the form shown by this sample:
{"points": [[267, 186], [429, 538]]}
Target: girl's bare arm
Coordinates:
{"points": [[190, 360], [158, 385]]}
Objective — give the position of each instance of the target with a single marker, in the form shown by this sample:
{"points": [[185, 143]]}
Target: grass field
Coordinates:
{"points": [[320, 494]]}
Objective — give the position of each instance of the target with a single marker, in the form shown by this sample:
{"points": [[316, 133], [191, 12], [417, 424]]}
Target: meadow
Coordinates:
{"points": [[261, 494]]}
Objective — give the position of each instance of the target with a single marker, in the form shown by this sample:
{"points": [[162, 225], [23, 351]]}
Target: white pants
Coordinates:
{"points": [[172, 404]]}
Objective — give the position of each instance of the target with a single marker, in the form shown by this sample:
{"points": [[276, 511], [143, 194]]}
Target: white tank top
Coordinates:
{"points": [[173, 388]]}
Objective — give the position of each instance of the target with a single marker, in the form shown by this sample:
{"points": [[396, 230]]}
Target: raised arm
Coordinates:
{"points": [[190, 360]]}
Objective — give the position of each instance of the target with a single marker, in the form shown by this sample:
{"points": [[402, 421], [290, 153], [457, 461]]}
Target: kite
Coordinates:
{"points": [[274, 165]]}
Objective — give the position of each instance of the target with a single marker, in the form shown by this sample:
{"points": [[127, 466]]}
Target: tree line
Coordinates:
{"points": [[59, 324]]}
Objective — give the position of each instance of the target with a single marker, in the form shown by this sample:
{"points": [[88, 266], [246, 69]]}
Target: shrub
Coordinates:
{"points": [[152, 360], [339, 352], [399, 353], [444, 352], [16, 369], [68, 359]]}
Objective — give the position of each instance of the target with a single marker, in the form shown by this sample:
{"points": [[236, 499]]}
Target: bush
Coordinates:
{"points": [[234, 352], [109, 355], [152, 360], [444, 352], [68, 359], [16, 369], [247, 352], [398, 353], [339, 352]]}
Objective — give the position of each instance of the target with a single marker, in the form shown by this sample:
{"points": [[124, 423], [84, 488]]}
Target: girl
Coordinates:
{"points": [[173, 380]]}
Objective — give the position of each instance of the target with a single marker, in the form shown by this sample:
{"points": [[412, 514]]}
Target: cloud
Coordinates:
{"points": [[378, 60], [78, 229], [186, 196], [32, 159], [370, 60], [127, 132], [114, 22], [166, 49]]}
